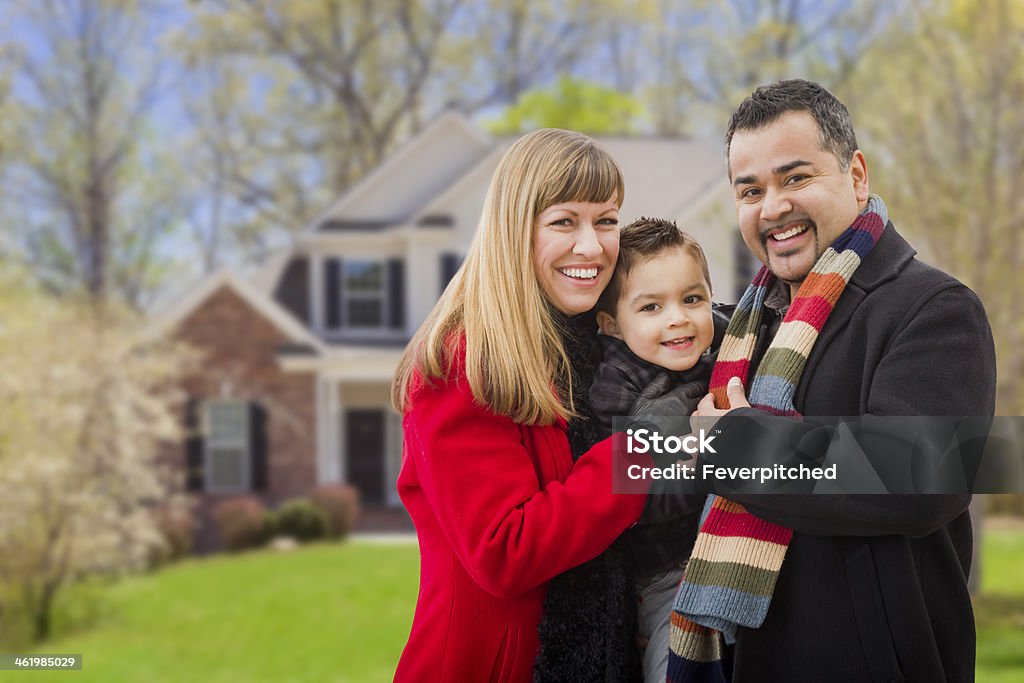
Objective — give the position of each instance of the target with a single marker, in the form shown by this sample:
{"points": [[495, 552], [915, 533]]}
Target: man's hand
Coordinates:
{"points": [[737, 399], [681, 401]]}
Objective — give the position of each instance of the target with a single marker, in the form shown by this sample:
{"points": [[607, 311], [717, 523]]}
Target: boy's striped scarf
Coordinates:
{"points": [[731, 574]]}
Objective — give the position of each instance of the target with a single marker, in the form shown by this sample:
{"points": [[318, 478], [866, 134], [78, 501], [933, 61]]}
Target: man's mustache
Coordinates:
{"points": [[769, 226]]}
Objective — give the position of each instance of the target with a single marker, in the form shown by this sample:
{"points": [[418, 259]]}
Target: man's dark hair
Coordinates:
{"points": [[768, 102], [639, 242]]}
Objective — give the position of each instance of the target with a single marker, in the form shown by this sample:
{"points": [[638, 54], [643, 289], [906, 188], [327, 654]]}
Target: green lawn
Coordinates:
{"points": [[322, 613], [342, 612], [1000, 609]]}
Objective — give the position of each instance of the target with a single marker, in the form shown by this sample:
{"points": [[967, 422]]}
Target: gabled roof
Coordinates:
{"points": [[667, 176], [670, 177], [264, 276], [165, 322], [478, 175], [414, 163]]}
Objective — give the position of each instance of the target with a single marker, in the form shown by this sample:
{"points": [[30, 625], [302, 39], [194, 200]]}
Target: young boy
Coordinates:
{"points": [[656, 321]]}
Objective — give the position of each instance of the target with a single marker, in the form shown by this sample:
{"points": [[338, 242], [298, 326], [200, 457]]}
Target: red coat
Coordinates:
{"points": [[499, 508]]}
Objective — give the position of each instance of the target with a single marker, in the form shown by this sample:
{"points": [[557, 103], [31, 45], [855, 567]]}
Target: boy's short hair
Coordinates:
{"points": [[639, 242]]}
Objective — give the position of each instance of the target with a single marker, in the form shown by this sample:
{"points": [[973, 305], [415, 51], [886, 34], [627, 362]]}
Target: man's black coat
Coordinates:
{"points": [[873, 587]]}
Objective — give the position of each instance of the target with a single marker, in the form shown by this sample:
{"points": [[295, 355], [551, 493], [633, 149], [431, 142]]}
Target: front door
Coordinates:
{"points": [[364, 450]]}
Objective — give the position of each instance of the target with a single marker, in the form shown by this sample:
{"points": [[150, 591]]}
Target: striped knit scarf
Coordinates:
{"points": [[731, 574]]}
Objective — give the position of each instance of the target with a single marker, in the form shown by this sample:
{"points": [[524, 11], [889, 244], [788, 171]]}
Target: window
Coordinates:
{"points": [[364, 295], [227, 446], [450, 264]]}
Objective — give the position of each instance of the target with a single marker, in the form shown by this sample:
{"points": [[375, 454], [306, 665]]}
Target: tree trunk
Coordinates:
{"points": [[41, 621]]}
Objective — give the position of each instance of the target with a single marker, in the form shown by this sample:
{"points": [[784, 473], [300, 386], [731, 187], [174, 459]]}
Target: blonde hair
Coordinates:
{"points": [[513, 342]]}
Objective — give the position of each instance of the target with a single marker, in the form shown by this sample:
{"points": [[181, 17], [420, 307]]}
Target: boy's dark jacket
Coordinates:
{"points": [[664, 537], [622, 375]]}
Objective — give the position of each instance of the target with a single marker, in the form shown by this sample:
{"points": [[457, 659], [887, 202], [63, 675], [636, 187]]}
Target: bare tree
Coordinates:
{"points": [[86, 217], [703, 58], [293, 102]]}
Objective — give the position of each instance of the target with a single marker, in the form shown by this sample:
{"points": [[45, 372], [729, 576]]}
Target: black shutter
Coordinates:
{"points": [[449, 266], [396, 294], [292, 290], [332, 300], [193, 446], [258, 446]]}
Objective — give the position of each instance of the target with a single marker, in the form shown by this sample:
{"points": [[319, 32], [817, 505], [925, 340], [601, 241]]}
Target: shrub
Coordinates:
{"points": [[300, 519], [176, 526], [240, 522], [339, 504]]}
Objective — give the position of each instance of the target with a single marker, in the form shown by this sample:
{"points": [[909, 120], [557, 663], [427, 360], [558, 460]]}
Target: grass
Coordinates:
{"points": [[324, 613], [999, 610], [342, 613]]}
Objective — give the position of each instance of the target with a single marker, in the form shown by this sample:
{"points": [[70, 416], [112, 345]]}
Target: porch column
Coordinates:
{"points": [[316, 288], [329, 466], [337, 436]]}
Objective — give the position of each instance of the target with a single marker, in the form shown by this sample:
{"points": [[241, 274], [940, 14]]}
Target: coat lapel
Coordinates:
{"points": [[884, 263]]}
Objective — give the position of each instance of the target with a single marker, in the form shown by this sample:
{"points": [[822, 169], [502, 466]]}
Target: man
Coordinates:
{"points": [[864, 587]]}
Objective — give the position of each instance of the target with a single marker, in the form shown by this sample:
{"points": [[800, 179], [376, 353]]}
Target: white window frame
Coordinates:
{"points": [[347, 295], [241, 443], [345, 330]]}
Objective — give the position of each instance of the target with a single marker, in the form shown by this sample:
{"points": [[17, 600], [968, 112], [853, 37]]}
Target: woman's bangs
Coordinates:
{"points": [[592, 177]]}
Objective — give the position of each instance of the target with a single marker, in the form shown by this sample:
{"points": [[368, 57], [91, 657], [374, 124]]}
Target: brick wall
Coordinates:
{"points": [[239, 361]]}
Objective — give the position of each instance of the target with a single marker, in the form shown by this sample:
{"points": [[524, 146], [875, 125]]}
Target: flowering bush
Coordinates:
{"points": [[241, 522], [340, 506]]}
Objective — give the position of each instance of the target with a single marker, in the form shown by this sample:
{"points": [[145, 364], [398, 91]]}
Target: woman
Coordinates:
{"points": [[489, 388]]}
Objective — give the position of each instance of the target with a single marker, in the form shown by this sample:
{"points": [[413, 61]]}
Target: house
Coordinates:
{"points": [[295, 389]]}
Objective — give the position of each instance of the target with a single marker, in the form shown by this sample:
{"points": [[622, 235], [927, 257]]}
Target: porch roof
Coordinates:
{"points": [[349, 363]]}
